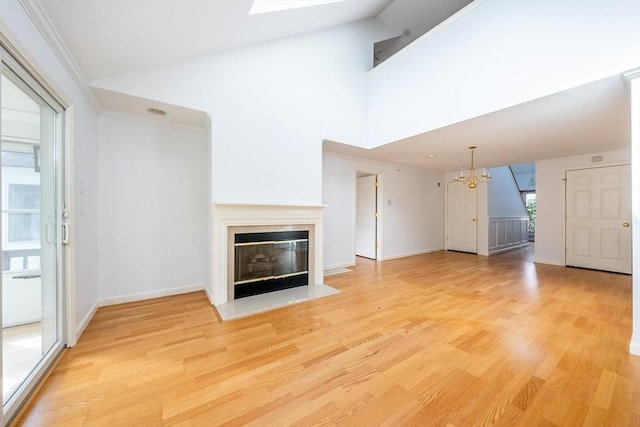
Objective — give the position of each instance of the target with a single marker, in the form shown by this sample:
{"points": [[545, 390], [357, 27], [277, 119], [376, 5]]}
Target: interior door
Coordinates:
{"points": [[598, 224], [366, 195], [462, 218]]}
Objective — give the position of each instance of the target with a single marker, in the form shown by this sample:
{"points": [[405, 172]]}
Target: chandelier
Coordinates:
{"points": [[472, 180]]}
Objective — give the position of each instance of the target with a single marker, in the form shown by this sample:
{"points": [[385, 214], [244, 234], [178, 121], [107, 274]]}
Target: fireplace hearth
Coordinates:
{"points": [[269, 261]]}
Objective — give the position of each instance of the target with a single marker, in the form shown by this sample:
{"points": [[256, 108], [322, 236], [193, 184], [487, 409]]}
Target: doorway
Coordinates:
{"points": [[31, 190], [462, 218], [367, 215], [598, 223]]}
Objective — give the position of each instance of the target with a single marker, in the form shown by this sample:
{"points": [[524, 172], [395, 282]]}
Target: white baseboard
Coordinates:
{"points": [[414, 253], [83, 325], [209, 296], [634, 348], [148, 295], [336, 266], [548, 261], [510, 248]]}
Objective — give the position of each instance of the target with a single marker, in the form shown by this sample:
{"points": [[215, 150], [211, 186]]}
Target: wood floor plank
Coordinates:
{"points": [[446, 338]]}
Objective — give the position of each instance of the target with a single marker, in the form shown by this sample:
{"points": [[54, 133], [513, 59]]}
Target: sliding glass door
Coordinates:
{"points": [[31, 238]]}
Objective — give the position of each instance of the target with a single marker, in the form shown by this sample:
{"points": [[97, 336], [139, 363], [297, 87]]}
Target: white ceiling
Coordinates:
{"points": [[108, 37], [136, 106], [587, 119], [111, 37]]}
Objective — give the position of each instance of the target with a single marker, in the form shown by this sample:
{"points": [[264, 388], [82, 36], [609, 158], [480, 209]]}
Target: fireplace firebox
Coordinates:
{"points": [[270, 261]]}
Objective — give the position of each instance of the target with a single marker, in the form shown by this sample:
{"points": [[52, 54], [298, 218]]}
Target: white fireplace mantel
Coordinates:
{"points": [[227, 215]]}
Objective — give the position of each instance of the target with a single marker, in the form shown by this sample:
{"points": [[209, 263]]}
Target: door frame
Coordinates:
{"points": [[27, 68], [564, 201], [379, 210], [479, 220]]}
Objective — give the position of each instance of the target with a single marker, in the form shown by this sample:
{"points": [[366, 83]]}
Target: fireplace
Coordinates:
{"points": [[269, 261], [230, 220]]}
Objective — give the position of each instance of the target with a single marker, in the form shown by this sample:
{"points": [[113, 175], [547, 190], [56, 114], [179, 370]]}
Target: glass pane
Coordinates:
{"points": [[24, 196], [259, 260], [23, 227], [30, 242], [525, 176], [49, 236]]}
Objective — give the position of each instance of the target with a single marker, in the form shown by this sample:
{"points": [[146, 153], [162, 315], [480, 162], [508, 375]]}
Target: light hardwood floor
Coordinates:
{"points": [[445, 339], [21, 350]]}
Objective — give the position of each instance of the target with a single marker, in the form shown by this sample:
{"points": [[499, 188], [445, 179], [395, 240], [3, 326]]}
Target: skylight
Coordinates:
{"points": [[266, 6]]}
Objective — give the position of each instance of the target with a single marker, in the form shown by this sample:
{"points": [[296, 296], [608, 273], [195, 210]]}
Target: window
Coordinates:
{"points": [[24, 213], [530, 202], [20, 207]]}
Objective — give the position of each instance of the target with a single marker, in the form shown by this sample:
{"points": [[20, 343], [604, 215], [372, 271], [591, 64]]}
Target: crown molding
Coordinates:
{"points": [[19, 59], [632, 74], [42, 22]]}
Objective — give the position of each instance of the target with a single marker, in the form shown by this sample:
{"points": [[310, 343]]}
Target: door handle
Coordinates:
{"points": [[65, 233], [625, 224], [474, 220]]}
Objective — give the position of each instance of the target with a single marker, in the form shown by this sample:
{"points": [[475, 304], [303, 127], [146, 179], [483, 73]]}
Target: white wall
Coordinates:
{"points": [[634, 345], [550, 200], [504, 199], [272, 105], [84, 132], [152, 209], [498, 54], [209, 237], [412, 224]]}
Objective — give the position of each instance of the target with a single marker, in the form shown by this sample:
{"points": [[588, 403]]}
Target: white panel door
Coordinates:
{"points": [[462, 218], [366, 216], [598, 218]]}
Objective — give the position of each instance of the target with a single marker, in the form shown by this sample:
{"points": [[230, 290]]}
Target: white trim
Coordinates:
{"points": [[149, 295], [510, 248], [632, 74], [40, 19], [341, 265], [379, 210], [633, 79], [69, 250], [380, 220], [227, 215], [413, 253], [548, 261], [85, 321], [19, 55], [232, 205], [208, 294]]}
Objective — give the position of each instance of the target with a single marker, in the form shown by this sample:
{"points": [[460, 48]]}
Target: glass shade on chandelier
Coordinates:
{"points": [[470, 178]]}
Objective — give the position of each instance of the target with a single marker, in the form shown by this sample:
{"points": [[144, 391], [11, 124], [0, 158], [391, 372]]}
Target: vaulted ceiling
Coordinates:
{"points": [[107, 38], [111, 37]]}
